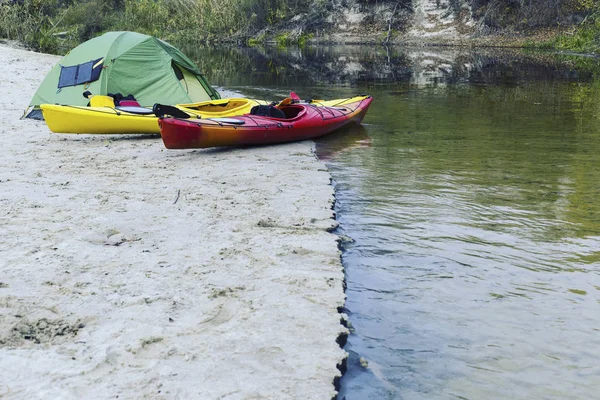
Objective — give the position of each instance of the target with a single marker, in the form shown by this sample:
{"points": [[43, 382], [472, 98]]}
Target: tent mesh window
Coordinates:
{"points": [[81, 73]]}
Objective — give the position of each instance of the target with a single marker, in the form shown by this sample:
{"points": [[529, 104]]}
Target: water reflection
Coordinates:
{"points": [[318, 68], [471, 192], [349, 138]]}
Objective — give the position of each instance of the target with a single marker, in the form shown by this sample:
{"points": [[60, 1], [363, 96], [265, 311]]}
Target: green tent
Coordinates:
{"points": [[148, 68]]}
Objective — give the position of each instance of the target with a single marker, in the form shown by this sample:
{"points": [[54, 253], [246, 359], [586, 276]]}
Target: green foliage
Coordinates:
{"points": [[146, 16], [305, 37], [55, 26], [255, 41], [527, 14], [283, 40], [586, 37], [32, 22]]}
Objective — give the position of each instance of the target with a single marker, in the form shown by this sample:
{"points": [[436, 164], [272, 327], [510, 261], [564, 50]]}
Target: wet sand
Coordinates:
{"points": [[132, 271]]}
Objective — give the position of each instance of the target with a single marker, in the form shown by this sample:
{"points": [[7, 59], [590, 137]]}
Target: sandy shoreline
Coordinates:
{"points": [[131, 271]]}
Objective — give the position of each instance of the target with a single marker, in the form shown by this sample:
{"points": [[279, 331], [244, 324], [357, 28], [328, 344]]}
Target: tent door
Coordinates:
{"points": [[191, 84]]}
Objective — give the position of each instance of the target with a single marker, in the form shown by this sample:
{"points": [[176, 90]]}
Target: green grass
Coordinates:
{"points": [[584, 39]]}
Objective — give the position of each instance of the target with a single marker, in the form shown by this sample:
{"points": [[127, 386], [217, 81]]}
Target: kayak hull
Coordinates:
{"points": [[111, 120], [97, 120], [302, 122]]}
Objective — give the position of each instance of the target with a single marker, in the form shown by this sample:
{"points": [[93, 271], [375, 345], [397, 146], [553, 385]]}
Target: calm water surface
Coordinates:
{"points": [[471, 195]]}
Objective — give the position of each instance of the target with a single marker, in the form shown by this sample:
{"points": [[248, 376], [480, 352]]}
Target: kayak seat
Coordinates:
{"points": [[126, 101], [267, 111], [129, 103]]}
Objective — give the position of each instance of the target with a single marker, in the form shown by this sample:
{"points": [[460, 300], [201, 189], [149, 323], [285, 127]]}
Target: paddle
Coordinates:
{"points": [[160, 110], [285, 102], [294, 98]]}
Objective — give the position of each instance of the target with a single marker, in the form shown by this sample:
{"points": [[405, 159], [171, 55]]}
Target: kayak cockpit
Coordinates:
{"points": [[293, 112]]}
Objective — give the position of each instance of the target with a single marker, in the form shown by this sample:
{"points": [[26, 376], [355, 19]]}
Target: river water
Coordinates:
{"points": [[470, 201]]}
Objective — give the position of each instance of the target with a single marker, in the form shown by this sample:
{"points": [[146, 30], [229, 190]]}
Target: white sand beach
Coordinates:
{"points": [[135, 272]]}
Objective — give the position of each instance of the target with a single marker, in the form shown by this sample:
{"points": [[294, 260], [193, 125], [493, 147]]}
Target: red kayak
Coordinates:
{"points": [[284, 123]]}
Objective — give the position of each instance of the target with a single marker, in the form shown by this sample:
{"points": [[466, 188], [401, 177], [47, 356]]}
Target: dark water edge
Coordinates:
{"points": [[471, 194]]}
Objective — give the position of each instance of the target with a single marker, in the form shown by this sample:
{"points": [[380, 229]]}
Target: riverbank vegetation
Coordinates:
{"points": [[55, 26], [585, 37]]}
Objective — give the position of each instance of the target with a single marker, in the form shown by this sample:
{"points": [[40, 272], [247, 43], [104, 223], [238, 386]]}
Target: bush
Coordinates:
{"points": [[529, 14], [32, 22], [585, 39]]}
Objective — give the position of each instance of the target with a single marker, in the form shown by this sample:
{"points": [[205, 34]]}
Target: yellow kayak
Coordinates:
{"points": [[197, 110], [338, 102], [131, 119]]}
